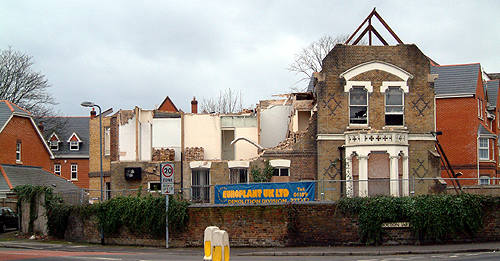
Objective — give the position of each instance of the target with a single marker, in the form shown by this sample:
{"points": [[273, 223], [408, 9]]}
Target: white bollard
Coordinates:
{"points": [[220, 246], [208, 241]]}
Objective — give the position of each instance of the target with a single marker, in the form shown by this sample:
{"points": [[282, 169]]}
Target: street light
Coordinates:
{"points": [[91, 104]]}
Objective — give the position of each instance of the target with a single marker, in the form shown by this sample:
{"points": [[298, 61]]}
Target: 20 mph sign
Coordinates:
{"points": [[167, 178]]}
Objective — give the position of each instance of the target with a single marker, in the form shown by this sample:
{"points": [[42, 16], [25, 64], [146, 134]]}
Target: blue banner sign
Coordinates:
{"points": [[264, 193]]}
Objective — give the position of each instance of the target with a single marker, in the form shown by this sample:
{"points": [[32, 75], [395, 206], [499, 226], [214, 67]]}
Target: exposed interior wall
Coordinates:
{"points": [[126, 140], [274, 124], [243, 149], [203, 130], [145, 122], [166, 133]]}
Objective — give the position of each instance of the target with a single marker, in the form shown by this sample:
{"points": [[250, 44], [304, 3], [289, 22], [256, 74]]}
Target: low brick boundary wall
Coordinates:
{"points": [[306, 224]]}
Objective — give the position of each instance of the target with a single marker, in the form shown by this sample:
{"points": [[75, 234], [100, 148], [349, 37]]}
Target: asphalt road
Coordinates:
{"points": [[128, 255]]}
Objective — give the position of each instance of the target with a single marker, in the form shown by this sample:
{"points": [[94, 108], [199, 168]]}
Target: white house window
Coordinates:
{"points": [[107, 144], [74, 171], [281, 171], [74, 145], [18, 151], [394, 106], [238, 175], [57, 169], [484, 180], [154, 186], [54, 145], [358, 105], [200, 185], [484, 151]]}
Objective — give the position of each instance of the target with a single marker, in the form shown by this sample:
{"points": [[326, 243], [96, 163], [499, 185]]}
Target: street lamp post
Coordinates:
{"points": [[91, 104]]}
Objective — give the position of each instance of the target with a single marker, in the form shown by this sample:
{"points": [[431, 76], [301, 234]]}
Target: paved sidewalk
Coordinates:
{"points": [[280, 251]]}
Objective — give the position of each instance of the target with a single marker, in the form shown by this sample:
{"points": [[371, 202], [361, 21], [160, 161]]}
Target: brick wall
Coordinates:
{"points": [[33, 150], [312, 224], [83, 170]]}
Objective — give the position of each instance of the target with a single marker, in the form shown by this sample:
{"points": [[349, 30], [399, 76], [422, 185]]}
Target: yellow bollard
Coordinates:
{"points": [[208, 241], [225, 242], [218, 250]]}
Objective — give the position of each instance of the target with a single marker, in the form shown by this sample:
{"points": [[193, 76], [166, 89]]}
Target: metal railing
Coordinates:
{"points": [[328, 190]]}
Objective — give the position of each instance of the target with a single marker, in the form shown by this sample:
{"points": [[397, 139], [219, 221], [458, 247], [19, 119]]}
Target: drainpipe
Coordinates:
{"points": [[341, 159], [477, 157]]}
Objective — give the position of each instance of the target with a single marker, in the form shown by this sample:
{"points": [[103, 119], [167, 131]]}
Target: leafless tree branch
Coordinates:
{"points": [[228, 101], [23, 86]]}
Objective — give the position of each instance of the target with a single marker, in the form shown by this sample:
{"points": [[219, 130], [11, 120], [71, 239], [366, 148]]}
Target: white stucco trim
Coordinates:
{"points": [[280, 163], [386, 84], [330, 137], [421, 136], [454, 95], [200, 164], [238, 164], [367, 84], [376, 65]]}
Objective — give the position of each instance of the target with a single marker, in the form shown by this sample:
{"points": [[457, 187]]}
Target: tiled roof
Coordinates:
{"points": [[8, 108], [492, 87], [456, 79], [21, 175], [64, 127], [483, 131]]}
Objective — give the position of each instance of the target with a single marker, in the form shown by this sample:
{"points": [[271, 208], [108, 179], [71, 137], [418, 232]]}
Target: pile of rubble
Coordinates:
{"points": [[163, 154], [194, 153]]}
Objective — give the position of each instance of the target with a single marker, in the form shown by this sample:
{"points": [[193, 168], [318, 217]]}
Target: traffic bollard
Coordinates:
{"points": [[208, 241]]}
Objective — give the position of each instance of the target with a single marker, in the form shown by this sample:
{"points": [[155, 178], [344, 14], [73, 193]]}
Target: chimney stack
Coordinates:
{"points": [[93, 113], [194, 105]]}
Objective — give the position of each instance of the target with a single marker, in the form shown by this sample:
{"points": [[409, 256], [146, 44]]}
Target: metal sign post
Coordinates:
{"points": [[167, 188]]}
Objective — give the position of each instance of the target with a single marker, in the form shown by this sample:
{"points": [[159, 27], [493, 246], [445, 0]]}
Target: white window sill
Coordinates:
{"points": [[74, 179], [388, 127], [359, 127], [19, 162], [486, 160]]}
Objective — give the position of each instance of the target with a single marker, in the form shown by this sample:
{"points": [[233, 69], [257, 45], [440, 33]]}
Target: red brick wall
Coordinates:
{"points": [[33, 151], [319, 224], [83, 170]]}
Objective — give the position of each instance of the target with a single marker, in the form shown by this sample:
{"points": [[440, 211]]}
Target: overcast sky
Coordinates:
{"points": [[122, 54]]}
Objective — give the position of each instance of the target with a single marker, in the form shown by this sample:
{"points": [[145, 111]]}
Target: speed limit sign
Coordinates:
{"points": [[167, 171]]}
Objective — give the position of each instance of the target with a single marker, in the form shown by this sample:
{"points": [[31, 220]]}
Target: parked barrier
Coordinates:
{"points": [[220, 246], [208, 241]]}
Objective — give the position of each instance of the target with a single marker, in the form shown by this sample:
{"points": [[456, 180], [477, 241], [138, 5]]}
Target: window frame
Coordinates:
{"points": [[483, 148], [57, 172], [18, 151], [203, 190], [367, 105], [107, 141], [239, 175], [51, 145], [74, 171], [71, 143], [483, 178], [155, 183], [402, 113], [280, 170]]}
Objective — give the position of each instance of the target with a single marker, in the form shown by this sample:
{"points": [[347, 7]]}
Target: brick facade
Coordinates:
{"points": [[33, 150], [82, 180]]}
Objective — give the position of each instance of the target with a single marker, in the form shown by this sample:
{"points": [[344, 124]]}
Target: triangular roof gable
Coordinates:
{"points": [[8, 110], [74, 137], [168, 105], [54, 137]]}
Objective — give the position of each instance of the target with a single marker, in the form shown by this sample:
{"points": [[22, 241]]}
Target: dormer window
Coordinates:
{"points": [[74, 145], [54, 142], [74, 142]]}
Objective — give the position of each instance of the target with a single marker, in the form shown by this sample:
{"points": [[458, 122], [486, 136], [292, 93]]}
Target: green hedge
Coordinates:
{"points": [[140, 214], [431, 217]]}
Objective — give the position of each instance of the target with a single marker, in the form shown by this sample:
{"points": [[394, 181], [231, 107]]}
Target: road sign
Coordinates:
{"points": [[167, 171]]}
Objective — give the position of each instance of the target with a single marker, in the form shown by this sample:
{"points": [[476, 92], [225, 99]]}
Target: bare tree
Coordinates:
{"points": [[228, 101], [310, 59], [20, 84]]}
